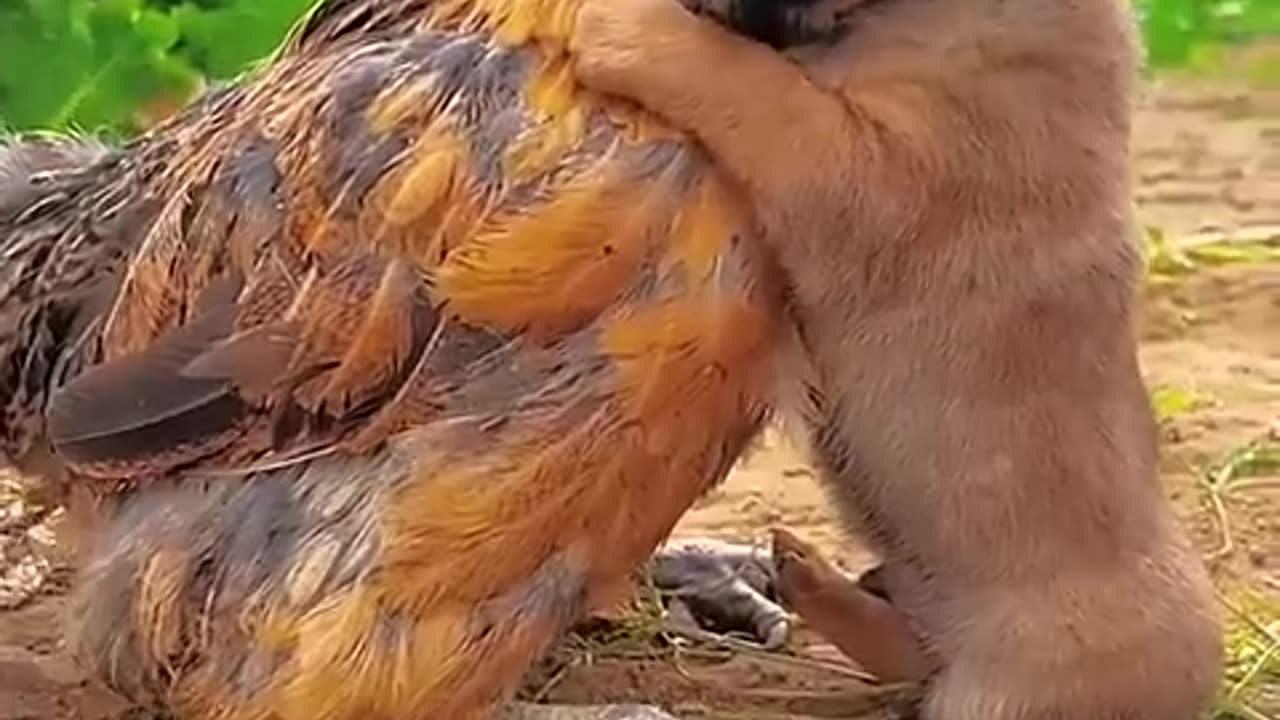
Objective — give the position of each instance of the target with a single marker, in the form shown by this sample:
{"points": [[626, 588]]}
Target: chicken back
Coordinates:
{"points": [[383, 365]]}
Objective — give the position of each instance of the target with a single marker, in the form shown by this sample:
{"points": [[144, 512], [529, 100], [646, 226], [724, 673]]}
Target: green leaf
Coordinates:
{"points": [[1164, 258], [1233, 252], [1172, 402], [226, 40]]}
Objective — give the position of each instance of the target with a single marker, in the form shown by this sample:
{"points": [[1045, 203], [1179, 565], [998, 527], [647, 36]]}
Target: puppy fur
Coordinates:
{"points": [[946, 185]]}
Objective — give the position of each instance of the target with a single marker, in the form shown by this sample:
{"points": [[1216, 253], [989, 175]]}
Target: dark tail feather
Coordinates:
{"points": [[144, 409]]}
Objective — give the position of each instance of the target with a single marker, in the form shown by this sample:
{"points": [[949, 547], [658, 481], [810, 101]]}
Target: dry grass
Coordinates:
{"points": [[1252, 686], [1251, 689]]}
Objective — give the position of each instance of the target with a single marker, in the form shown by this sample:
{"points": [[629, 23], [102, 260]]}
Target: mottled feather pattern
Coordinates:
{"points": [[413, 350], [539, 257], [60, 255]]}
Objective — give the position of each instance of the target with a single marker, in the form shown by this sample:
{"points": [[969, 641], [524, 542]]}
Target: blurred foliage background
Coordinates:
{"points": [[116, 65]]}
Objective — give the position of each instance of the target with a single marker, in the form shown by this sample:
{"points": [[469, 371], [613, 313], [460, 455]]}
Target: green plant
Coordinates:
{"points": [[1175, 31], [1251, 687], [102, 65]]}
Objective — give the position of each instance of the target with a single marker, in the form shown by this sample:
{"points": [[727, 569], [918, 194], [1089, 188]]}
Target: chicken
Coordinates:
{"points": [[373, 372]]}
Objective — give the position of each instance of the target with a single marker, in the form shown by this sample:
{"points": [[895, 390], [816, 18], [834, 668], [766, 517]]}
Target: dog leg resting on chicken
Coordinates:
{"points": [[946, 187]]}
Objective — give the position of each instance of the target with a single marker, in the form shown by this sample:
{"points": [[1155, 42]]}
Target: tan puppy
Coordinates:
{"points": [[946, 185]]}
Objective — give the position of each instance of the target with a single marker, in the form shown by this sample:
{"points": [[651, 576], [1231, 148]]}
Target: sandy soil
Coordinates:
{"points": [[1208, 162]]}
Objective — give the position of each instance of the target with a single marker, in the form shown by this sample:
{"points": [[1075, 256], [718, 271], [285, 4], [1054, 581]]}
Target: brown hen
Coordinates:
{"points": [[383, 365]]}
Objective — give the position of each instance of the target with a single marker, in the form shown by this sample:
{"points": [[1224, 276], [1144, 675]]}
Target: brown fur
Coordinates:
{"points": [[947, 190]]}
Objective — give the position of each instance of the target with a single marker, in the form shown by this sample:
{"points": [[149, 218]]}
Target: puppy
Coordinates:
{"points": [[945, 184]]}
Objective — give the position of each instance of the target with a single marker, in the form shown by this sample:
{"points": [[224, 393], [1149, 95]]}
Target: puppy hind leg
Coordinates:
{"points": [[862, 625]]}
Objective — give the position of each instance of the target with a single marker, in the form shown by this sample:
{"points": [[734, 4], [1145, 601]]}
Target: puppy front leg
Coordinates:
{"points": [[763, 121], [865, 626]]}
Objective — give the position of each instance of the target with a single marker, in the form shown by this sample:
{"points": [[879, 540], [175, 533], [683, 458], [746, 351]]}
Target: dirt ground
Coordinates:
{"points": [[1208, 165]]}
